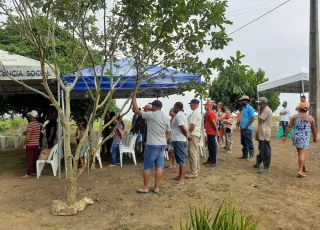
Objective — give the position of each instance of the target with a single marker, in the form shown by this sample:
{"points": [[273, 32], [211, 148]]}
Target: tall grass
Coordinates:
{"points": [[11, 125], [227, 218]]}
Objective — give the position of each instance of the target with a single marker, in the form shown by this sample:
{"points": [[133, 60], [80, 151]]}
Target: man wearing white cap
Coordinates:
{"points": [[32, 144]]}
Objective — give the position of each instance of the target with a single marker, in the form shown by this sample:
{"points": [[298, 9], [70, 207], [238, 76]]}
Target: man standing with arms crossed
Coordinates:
{"points": [[179, 138], [263, 135], [211, 130], [157, 135], [247, 118], [194, 121]]}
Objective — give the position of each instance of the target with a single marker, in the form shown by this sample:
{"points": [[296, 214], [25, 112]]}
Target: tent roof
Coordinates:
{"points": [[19, 67], [291, 84], [159, 83]]}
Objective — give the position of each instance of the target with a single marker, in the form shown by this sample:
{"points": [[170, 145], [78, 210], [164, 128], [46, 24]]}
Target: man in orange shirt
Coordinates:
{"points": [[211, 130]]}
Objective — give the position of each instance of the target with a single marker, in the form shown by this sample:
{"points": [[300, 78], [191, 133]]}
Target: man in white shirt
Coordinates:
{"points": [[157, 135], [285, 116], [194, 122], [179, 138]]}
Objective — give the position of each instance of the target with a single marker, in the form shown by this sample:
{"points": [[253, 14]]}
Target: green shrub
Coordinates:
{"points": [[9, 126], [4, 126], [226, 218]]}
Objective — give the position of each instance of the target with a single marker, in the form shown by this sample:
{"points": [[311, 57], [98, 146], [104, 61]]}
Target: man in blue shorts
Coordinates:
{"points": [[179, 138], [158, 132]]}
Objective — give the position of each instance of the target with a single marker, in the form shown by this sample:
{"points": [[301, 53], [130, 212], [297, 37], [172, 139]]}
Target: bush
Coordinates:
{"points": [[226, 218], [10, 126]]}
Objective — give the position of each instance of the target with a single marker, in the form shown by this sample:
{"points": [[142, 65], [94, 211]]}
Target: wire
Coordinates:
{"points": [[259, 17], [232, 15], [250, 7]]}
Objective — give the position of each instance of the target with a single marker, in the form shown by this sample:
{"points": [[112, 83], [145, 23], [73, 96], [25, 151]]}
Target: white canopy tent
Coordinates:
{"points": [[23, 69], [298, 83], [29, 71]]}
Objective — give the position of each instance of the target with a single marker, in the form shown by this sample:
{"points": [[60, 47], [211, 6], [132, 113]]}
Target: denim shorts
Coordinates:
{"points": [[180, 151], [154, 155]]}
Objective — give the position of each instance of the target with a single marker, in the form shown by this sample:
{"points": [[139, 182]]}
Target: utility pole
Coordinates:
{"points": [[314, 78]]}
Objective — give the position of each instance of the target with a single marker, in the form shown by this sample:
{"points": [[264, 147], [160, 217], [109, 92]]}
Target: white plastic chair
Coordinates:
{"points": [[126, 139], [129, 149], [4, 142], [94, 144], [166, 155], [201, 146], [52, 159], [16, 140]]}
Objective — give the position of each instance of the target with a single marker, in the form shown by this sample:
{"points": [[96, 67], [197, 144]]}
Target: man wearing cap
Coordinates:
{"points": [[285, 116], [179, 139], [247, 118], [32, 144], [157, 135], [211, 130], [194, 121], [263, 135]]}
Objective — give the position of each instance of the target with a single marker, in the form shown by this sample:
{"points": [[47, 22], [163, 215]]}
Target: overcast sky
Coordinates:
{"points": [[277, 43]]}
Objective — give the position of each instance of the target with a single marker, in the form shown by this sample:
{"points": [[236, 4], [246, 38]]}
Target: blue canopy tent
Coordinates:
{"points": [[158, 81]]}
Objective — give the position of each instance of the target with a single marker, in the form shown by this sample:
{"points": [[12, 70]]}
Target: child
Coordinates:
{"points": [[228, 124], [85, 147], [117, 138], [238, 120]]}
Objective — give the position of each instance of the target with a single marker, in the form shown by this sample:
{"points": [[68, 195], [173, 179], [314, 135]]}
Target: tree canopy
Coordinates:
{"points": [[235, 80], [13, 41]]}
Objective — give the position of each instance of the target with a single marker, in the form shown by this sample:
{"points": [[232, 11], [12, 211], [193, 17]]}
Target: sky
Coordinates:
{"points": [[277, 43]]}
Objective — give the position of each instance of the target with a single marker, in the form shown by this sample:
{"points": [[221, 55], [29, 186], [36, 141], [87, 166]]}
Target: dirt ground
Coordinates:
{"points": [[279, 200]]}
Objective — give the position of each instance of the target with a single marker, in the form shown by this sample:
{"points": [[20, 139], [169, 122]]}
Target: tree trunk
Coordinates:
{"points": [[72, 190]]}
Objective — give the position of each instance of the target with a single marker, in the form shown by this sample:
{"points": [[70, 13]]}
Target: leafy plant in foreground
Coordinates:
{"points": [[226, 218]]}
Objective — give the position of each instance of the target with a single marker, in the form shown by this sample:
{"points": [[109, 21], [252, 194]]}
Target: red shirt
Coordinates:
{"points": [[34, 129], [211, 116]]}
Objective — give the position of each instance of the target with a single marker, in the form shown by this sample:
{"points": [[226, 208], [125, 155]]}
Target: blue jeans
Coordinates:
{"points": [[212, 147], [284, 126], [180, 150], [115, 152], [154, 155], [246, 142]]}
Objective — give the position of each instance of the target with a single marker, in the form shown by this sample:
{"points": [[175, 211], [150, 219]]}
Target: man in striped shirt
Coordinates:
{"points": [[32, 144]]}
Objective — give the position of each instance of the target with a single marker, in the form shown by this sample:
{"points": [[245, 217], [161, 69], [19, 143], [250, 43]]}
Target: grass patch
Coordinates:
{"points": [[226, 218]]}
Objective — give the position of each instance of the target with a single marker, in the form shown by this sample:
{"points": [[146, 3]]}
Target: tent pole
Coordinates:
{"points": [[302, 83], [59, 134], [64, 147]]}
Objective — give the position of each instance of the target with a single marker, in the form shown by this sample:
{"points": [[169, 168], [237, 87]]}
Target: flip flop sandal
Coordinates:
{"points": [[26, 177], [142, 192], [154, 192], [301, 176], [178, 184], [176, 178]]}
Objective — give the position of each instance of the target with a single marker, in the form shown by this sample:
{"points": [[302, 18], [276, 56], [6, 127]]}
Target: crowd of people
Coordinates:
{"points": [[181, 136]]}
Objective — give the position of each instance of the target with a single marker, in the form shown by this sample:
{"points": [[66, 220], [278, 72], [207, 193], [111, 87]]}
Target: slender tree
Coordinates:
{"points": [[148, 33]]}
